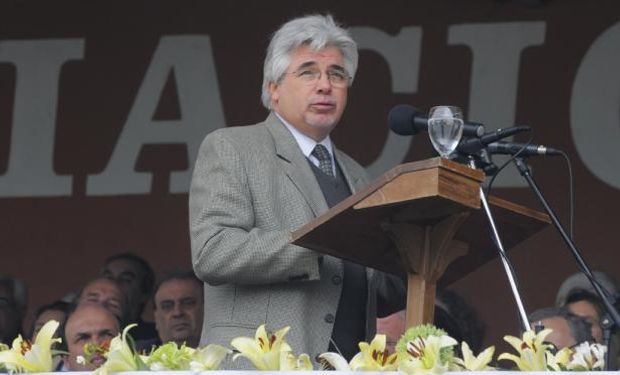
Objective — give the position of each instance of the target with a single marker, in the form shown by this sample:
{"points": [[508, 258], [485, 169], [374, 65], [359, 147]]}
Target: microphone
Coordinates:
{"points": [[523, 149], [473, 145], [407, 120]]}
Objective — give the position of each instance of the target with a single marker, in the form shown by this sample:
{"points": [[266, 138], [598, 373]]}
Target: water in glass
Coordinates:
{"points": [[445, 128]]}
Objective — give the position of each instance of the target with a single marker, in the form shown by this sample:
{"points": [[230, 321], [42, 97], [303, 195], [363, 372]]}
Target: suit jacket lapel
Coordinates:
{"points": [[295, 165], [356, 183]]}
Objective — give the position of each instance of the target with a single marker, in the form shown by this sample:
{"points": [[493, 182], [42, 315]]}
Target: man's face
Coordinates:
{"points": [[129, 276], [105, 293], [88, 324], [587, 311], [9, 316], [179, 311], [45, 317], [392, 326], [313, 108], [561, 336]]}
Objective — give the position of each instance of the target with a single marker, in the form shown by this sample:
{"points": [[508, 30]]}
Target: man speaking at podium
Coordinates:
{"points": [[253, 185]]}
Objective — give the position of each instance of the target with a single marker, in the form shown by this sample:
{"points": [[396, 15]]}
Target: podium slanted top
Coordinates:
{"points": [[422, 193]]}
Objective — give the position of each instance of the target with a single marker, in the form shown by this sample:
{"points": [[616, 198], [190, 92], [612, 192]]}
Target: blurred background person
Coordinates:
{"points": [[56, 310], [590, 308], [88, 323], [578, 296], [108, 294], [136, 278], [452, 314], [568, 329], [13, 306], [178, 308]]}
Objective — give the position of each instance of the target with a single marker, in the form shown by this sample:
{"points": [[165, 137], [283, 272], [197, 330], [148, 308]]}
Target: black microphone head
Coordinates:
{"points": [[400, 119]]}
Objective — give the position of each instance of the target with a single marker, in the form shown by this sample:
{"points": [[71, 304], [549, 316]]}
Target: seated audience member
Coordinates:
{"points": [[393, 327], [459, 319], [577, 294], [106, 293], [452, 314], [178, 308], [56, 310], [88, 323], [136, 278], [589, 307], [568, 330], [13, 303]]}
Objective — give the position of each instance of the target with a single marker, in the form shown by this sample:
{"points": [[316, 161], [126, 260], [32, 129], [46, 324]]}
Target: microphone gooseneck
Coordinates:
{"points": [[473, 145]]}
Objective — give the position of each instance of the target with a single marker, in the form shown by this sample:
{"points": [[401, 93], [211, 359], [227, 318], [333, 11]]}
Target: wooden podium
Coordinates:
{"points": [[421, 218]]}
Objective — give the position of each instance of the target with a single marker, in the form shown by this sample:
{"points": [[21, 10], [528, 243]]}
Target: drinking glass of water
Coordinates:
{"points": [[445, 128]]}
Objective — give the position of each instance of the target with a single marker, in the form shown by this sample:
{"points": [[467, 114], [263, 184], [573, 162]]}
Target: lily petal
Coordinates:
{"points": [[209, 358], [336, 361]]}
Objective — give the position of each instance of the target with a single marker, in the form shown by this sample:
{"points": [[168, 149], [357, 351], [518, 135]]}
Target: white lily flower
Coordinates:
{"points": [[588, 357], [288, 362], [424, 355], [531, 349], [37, 357], [264, 349], [208, 358], [335, 360], [470, 362]]}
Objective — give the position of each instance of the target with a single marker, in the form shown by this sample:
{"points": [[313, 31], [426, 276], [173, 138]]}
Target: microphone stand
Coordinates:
{"points": [[609, 306], [504, 258], [607, 325]]}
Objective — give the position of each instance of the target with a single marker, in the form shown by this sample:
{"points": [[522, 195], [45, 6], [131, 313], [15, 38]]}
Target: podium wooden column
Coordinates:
{"points": [[420, 218]]}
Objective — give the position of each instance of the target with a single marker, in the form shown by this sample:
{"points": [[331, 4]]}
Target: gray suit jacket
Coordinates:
{"points": [[251, 187]]}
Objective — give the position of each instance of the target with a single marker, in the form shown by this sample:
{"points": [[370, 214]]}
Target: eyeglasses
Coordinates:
{"points": [[310, 76]]}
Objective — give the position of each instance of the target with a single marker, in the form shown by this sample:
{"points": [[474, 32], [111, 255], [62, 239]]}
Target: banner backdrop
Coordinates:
{"points": [[103, 105]]}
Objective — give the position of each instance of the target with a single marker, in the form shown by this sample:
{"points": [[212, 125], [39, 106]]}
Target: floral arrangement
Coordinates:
{"points": [[534, 354], [25, 356], [121, 356], [422, 350]]}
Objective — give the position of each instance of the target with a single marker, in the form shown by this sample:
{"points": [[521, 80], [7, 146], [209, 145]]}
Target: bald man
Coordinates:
{"points": [[89, 323]]}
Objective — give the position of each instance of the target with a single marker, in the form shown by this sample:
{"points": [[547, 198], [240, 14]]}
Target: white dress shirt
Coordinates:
{"points": [[307, 144]]}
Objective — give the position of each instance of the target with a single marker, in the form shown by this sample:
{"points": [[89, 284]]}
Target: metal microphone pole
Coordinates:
{"points": [[504, 257], [611, 310], [511, 277]]}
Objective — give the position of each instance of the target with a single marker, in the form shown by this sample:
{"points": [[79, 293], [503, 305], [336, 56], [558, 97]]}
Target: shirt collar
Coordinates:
{"points": [[307, 144]]}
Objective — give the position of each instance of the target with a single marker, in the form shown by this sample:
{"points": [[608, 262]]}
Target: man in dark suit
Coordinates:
{"points": [[253, 185]]}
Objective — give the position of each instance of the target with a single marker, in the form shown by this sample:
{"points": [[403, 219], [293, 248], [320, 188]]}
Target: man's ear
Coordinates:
{"points": [[273, 92]]}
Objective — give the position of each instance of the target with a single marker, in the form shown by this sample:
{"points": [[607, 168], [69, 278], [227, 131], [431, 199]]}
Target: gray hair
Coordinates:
{"points": [[316, 31], [19, 290], [579, 327]]}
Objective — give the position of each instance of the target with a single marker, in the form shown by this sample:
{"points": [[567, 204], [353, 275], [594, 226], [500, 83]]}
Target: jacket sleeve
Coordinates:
{"points": [[226, 245], [391, 293]]}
